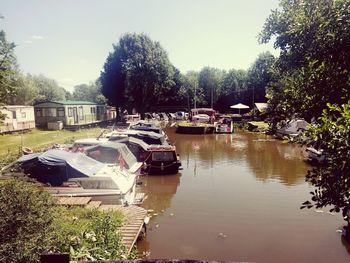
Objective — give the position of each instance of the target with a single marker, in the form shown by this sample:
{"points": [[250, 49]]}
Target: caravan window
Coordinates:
{"points": [[49, 112], [38, 112], [81, 115], [60, 112]]}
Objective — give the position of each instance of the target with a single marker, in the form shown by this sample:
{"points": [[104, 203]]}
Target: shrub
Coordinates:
{"points": [[25, 220], [88, 234], [31, 223]]}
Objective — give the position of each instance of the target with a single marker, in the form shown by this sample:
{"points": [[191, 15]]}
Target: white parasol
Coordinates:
{"points": [[239, 106]]}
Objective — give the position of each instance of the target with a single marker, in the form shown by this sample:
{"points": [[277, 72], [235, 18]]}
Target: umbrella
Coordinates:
{"points": [[239, 106]]}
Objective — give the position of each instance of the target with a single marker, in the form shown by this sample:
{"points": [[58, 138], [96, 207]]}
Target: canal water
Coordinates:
{"points": [[237, 198]]}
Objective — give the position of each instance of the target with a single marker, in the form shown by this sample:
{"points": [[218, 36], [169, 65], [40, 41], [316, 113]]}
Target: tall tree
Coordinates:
{"points": [[48, 89], [314, 63], [26, 91], [8, 69], [89, 92], [137, 73], [259, 75], [194, 93], [210, 80]]}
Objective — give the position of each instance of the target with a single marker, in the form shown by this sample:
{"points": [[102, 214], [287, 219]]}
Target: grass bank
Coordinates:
{"points": [[36, 139]]}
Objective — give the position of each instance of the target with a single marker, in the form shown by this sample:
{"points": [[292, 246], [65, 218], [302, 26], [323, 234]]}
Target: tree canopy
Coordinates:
{"points": [[8, 69], [137, 73], [311, 80], [313, 67], [89, 92], [260, 75], [331, 134]]}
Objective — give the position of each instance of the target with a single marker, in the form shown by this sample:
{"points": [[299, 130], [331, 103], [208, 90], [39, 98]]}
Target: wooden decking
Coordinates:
{"points": [[134, 217]]}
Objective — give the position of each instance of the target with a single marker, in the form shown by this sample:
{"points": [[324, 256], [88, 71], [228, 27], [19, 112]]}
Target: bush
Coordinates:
{"points": [[332, 134], [88, 234], [25, 220], [31, 223]]}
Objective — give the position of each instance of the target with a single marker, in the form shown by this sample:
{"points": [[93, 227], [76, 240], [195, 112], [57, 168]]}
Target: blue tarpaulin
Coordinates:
{"points": [[52, 164]]}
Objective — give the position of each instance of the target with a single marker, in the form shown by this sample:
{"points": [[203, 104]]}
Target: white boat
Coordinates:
{"points": [[103, 170], [201, 118], [224, 125], [292, 128], [314, 155], [159, 157]]}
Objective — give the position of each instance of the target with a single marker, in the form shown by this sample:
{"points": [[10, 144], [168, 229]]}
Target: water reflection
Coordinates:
{"points": [[346, 244], [160, 191], [237, 199], [266, 157]]}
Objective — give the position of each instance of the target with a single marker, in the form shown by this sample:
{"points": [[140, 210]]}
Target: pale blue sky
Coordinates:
{"points": [[69, 40]]}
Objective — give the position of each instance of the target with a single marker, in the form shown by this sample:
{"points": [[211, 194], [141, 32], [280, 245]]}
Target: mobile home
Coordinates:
{"points": [[69, 113], [17, 118]]}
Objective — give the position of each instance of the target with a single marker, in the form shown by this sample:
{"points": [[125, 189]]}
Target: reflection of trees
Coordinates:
{"points": [[345, 243], [273, 159], [267, 158], [160, 190]]}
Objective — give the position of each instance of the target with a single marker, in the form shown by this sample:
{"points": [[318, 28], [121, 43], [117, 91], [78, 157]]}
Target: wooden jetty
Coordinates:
{"points": [[135, 217]]}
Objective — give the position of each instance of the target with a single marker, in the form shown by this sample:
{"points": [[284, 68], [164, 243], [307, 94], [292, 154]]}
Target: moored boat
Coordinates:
{"points": [[90, 176], [194, 128], [224, 125], [316, 156]]}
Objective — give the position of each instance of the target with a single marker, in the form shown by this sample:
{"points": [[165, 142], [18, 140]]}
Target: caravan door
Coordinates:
{"points": [[75, 115], [14, 120]]}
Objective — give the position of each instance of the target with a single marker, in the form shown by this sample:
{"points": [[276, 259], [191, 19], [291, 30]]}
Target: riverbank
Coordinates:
{"points": [[11, 144]]}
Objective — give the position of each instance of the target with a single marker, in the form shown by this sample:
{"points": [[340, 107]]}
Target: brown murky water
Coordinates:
{"points": [[237, 198]]}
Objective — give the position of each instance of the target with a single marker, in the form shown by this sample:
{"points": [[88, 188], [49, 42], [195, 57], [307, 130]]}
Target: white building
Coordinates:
{"points": [[17, 118]]}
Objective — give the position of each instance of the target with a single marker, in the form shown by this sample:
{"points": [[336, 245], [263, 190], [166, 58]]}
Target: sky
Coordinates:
{"points": [[69, 40]]}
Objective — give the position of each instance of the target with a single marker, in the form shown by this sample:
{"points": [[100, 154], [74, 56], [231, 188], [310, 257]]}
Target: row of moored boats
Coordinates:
{"points": [[108, 166]]}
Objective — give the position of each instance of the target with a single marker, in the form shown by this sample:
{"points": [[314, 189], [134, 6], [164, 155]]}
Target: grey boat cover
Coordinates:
{"points": [[76, 164], [150, 137], [144, 126], [136, 141]]}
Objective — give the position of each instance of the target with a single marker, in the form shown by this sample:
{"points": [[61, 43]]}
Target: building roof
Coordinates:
{"points": [[261, 106], [69, 102], [7, 107]]}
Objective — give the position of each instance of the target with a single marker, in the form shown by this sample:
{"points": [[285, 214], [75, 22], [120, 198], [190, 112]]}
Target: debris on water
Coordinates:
{"points": [[330, 213], [222, 235], [319, 211], [171, 214], [155, 214], [157, 225], [162, 210], [150, 210], [341, 231]]}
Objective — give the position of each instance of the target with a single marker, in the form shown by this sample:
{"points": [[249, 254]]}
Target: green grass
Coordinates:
{"points": [[261, 125], [11, 144]]}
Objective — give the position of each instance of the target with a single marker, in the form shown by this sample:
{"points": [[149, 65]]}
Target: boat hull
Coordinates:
{"points": [[195, 129]]}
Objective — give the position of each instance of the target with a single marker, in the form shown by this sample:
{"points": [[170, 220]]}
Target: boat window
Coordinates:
{"points": [[162, 156]]}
